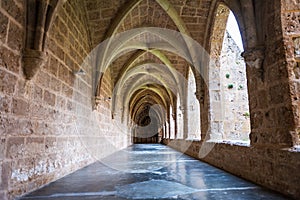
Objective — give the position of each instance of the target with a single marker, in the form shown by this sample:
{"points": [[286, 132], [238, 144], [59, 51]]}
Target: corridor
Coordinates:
{"points": [[151, 171]]}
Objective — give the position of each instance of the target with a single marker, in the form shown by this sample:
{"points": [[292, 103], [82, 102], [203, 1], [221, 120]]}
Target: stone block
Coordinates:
{"points": [[5, 170], [60, 53], [9, 60], [3, 27], [285, 117], [61, 102], [20, 107], [257, 120], [92, 5], [193, 3], [15, 147], [38, 94], [271, 118], [35, 146], [7, 82], [49, 98], [63, 73], [14, 10], [15, 37], [279, 94], [94, 15], [52, 66], [5, 104], [43, 79], [263, 99], [189, 11], [55, 85], [50, 144], [2, 148]]}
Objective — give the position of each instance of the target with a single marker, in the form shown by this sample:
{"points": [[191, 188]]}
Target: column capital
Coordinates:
{"points": [[32, 61], [254, 57]]}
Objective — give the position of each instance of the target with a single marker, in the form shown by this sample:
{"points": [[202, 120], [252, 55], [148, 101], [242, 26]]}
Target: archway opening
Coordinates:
{"points": [[230, 116], [193, 109]]}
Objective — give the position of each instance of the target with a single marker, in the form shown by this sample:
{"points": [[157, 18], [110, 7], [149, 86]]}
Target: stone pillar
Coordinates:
{"points": [[166, 130], [203, 115], [185, 122], [270, 106], [169, 136], [174, 118]]}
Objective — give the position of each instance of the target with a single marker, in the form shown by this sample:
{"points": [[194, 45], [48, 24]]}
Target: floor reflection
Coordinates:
{"points": [[151, 172]]}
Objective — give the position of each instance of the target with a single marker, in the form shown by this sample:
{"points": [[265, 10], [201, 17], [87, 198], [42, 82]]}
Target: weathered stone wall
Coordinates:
{"points": [[290, 17], [234, 93], [13, 108], [48, 128], [214, 85], [193, 110]]}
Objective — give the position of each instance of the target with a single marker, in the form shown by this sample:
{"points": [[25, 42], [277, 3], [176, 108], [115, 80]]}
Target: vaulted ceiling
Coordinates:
{"points": [[146, 75]]}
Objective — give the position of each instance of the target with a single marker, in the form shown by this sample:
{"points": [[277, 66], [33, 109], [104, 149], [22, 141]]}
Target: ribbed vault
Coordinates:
{"points": [[147, 66]]}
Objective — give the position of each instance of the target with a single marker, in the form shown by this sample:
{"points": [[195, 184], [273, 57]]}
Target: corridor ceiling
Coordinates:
{"points": [[147, 76]]}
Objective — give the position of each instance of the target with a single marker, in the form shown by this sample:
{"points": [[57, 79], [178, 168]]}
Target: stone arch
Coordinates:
{"points": [[174, 41], [165, 4], [148, 123], [167, 80], [151, 102], [169, 46], [229, 119], [139, 95], [124, 75], [139, 83]]}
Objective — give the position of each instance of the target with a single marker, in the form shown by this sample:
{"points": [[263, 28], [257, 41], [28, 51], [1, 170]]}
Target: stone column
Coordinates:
{"points": [[174, 118], [169, 136], [270, 106], [203, 115], [185, 121]]}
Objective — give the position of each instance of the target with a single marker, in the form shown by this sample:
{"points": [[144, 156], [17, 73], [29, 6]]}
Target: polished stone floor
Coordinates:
{"points": [[151, 172]]}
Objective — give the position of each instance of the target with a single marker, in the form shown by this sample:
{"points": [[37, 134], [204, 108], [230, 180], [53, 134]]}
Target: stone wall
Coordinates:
{"points": [[272, 168], [214, 85], [234, 93], [48, 128], [290, 17]]}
